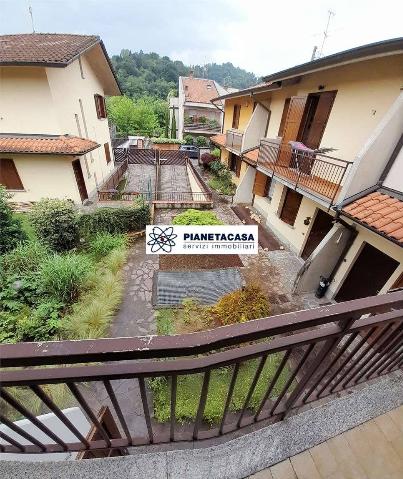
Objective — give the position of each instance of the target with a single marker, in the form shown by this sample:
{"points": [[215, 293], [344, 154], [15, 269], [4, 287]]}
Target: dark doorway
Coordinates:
{"points": [[316, 114], [320, 228], [368, 275], [236, 116], [78, 173]]}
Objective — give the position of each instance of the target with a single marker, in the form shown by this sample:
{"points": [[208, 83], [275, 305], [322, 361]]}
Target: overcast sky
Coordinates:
{"points": [[262, 36]]}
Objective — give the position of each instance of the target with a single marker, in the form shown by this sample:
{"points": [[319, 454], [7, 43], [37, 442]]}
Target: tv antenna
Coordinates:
{"points": [[32, 18], [316, 53], [326, 32]]}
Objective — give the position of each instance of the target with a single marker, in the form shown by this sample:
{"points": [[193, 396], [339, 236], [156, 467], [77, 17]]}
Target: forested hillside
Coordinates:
{"points": [[148, 74]]}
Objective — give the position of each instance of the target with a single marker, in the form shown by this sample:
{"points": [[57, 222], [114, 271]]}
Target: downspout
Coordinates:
{"points": [[347, 246]]}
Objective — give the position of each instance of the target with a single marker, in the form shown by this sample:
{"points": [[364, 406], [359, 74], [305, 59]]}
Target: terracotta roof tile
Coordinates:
{"points": [[199, 90], [381, 212], [43, 48], [252, 155], [218, 139], [46, 144]]}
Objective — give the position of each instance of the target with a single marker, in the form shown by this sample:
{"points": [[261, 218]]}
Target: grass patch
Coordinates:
{"points": [[26, 225], [222, 186], [165, 321], [189, 388]]}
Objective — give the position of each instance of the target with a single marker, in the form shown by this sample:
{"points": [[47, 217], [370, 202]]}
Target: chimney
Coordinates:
{"points": [[191, 73]]}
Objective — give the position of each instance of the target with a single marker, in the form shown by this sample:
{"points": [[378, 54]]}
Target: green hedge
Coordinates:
{"points": [[114, 220], [167, 140]]}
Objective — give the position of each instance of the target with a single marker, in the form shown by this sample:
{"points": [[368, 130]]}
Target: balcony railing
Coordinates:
{"points": [[233, 140], [307, 170], [279, 363], [202, 127]]}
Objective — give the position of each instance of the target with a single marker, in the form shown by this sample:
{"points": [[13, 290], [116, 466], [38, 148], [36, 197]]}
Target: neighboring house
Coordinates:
{"points": [[297, 147], [194, 113], [54, 139]]}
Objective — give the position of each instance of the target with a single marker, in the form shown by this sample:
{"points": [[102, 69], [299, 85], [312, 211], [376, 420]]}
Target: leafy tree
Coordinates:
{"points": [[136, 116], [11, 232]]}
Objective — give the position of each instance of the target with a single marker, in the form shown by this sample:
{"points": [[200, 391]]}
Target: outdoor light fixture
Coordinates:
{"points": [[307, 220], [321, 87]]}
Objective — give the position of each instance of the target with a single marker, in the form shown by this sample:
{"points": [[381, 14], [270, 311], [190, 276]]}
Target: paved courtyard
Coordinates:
{"points": [[140, 178]]}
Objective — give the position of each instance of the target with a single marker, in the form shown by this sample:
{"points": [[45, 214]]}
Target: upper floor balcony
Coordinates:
{"points": [[233, 140], [280, 363], [305, 170]]}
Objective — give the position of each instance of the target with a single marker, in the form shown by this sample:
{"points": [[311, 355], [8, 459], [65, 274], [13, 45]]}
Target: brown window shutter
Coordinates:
{"points": [[284, 116], [292, 202], [107, 152], [9, 176], [291, 127], [322, 113], [262, 184]]}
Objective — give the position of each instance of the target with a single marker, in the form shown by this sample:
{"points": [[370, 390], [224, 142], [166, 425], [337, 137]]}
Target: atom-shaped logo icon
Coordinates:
{"points": [[162, 239]]}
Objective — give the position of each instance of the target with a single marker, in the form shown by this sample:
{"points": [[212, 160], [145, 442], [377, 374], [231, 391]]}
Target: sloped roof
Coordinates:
{"points": [[44, 48], [252, 155], [199, 90], [46, 144], [380, 212], [218, 139]]}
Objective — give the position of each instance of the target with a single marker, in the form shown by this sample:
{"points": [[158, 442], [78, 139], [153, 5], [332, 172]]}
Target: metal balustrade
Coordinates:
{"points": [[323, 351], [308, 170]]}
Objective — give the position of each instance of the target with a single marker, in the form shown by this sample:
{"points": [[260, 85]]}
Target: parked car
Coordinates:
{"points": [[193, 151]]}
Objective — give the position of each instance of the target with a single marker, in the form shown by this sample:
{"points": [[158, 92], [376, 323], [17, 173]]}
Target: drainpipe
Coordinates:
{"points": [[347, 246]]}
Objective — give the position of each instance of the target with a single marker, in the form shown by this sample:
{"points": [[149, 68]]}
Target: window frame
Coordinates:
{"points": [[100, 106], [288, 192]]}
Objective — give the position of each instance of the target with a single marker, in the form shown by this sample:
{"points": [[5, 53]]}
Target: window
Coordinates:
{"points": [[100, 106], [107, 153], [235, 118], [9, 176], [290, 208], [262, 184], [284, 117]]}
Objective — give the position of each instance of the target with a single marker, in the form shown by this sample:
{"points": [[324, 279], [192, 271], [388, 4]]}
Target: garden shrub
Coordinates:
{"points": [[161, 140], [201, 141], [103, 243], [11, 231], [25, 258], [114, 220], [188, 139], [55, 223], [63, 277], [206, 159], [241, 306], [216, 167], [196, 217], [216, 153]]}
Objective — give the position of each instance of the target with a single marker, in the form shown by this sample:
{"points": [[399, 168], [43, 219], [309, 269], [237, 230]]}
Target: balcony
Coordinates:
{"points": [[313, 354], [305, 170], [233, 140]]}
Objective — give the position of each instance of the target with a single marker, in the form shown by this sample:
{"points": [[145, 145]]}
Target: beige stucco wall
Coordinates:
{"points": [[46, 101], [46, 176], [383, 244], [294, 236], [365, 91], [245, 114]]}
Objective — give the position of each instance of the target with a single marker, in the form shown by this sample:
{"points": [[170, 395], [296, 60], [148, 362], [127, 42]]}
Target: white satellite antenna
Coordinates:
{"points": [[32, 18]]}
